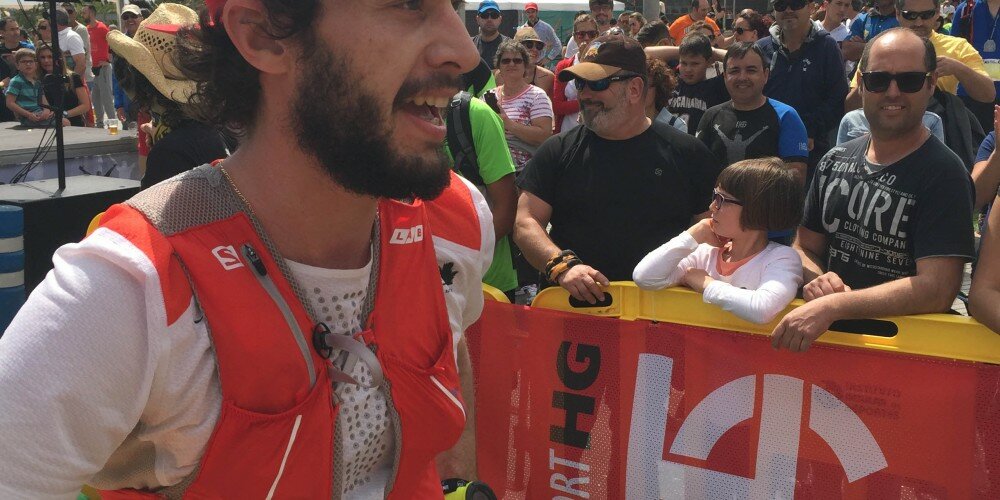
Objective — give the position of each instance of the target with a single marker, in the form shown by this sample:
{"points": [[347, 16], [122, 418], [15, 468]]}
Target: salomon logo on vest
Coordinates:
{"points": [[228, 257], [407, 235]]}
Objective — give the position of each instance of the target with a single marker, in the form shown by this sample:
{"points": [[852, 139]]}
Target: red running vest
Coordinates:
{"points": [[275, 434]]}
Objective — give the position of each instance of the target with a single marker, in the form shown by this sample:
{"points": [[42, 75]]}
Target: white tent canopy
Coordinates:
{"points": [[544, 5]]}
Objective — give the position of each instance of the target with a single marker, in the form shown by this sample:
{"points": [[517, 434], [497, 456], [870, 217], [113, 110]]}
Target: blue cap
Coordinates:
{"points": [[487, 5]]}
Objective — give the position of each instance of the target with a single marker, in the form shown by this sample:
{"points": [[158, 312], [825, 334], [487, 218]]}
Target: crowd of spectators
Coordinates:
{"points": [[718, 151], [86, 59], [619, 152]]}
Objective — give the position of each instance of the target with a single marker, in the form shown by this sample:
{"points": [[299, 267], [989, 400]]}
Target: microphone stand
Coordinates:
{"points": [[58, 76]]}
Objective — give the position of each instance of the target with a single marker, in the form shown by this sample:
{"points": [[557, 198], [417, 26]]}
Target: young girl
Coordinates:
{"points": [[728, 257]]}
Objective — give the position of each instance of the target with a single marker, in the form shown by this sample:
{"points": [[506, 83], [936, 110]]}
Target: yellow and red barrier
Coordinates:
{"points": [[658, 395]]}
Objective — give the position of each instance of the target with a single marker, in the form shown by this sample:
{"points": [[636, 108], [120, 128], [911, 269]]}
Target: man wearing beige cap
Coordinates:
{"points": [[613, 188], [553, 47], [131, 17]]}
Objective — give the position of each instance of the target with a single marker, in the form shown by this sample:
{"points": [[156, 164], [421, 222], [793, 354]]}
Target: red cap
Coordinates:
{"points": [[531, 5]]}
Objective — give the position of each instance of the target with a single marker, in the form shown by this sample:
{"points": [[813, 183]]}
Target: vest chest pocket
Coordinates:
{"points": [[282, 455]]}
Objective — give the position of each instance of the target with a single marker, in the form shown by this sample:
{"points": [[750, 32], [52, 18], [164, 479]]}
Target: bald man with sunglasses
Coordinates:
{"points": [[886, 229]]}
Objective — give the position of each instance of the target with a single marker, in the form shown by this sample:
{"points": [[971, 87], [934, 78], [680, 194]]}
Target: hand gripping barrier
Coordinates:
{"points": [[941, 335]]}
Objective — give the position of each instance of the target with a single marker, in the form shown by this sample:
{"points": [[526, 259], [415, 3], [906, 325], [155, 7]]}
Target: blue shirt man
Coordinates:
{"points": [[881, 18], [979, 28]]}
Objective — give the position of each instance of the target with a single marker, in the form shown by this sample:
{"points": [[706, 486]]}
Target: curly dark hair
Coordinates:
{"points": [[144, 95], [228, 90], [661, 80]]}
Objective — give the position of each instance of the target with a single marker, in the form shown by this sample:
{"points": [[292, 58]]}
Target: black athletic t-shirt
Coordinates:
{"points": [[691, 101], [881, 219], [773, 129], [615, 201]]}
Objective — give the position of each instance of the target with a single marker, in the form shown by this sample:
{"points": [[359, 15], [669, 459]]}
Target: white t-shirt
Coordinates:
{"points": [[757, 291], [840, 33], [90, 355], [337, 297], [71, 44]]}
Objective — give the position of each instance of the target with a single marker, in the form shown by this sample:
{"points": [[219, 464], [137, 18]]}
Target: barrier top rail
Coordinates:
{"points": [[939, 335]]}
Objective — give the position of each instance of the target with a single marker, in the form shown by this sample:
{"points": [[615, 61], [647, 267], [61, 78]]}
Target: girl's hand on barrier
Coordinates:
{"points": [[696, 279]]}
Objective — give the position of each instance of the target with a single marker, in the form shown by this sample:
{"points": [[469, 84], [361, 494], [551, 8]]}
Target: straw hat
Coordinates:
{"points": [[150, 50], [526, 33]]}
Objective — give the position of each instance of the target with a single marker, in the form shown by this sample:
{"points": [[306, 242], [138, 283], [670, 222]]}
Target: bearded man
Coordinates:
{"points": [[275, 324], [615, 188]]}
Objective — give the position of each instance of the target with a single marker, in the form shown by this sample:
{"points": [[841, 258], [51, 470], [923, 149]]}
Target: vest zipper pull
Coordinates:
{"points": [[254, 259]]}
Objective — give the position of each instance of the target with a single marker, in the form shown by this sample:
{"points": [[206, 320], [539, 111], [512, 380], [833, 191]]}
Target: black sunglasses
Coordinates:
{"points": [[908, 82], [602, 84], [782, 5], [490, 14], [532, 44], [129, 15], [912, 15], [589, 34], [718, 199], [511, 60], [740, 30]]}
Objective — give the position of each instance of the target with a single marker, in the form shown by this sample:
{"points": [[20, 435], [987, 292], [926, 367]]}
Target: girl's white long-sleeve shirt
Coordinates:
{"points": [[757, 291]]}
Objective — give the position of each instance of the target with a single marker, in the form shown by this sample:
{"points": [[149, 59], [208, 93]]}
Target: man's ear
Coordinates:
{"points": [[636, 88], [246, 22]]}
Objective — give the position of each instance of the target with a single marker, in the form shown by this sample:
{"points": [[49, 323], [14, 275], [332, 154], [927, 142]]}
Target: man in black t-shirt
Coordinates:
{"points": [[751, 125], [887, 218], [615, 188], [694, 93]]}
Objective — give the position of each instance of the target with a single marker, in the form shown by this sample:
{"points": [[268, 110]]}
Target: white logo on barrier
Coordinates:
{"points": [[407, 235], [649, 476], [228, 257]]}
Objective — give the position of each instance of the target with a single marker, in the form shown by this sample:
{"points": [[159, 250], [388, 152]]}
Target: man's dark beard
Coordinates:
{"points": [[336, 121]]}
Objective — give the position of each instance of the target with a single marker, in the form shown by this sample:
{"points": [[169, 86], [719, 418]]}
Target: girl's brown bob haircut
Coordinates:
{"points": [[771, 194]]}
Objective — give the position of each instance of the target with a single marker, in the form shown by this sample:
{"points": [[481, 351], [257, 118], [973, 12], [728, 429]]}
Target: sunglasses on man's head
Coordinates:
{"points": [[588, 34], [511, 60], [912, 15], [782, 5], [490, 14], [602, 84], [532, 44], [908, 82]]}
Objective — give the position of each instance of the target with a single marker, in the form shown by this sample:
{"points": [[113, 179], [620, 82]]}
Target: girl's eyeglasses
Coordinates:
{"points": [[719, 199]]}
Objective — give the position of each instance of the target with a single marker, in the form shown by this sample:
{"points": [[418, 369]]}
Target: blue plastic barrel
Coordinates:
{"points": [[11, 263]]}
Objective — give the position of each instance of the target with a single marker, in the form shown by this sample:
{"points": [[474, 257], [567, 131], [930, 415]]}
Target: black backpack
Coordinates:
{"points": [[460, 141]]}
